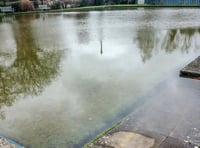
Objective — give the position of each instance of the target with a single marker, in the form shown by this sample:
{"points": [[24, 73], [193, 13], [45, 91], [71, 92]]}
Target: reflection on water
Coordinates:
{"points": [[8, 19], [106, 66], [83, 30], [171, 40], [147, 40], [101, 47], [32, 68], [181, 39]]}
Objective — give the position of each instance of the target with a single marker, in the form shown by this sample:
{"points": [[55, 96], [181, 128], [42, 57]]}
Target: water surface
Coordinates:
{"points": [[67, 76]]}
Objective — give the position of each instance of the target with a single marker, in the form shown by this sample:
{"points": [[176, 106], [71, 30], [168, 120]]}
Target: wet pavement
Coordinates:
{"points": [[173, 121]]}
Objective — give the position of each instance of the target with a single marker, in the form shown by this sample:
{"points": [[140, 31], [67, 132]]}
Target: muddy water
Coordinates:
{"points": [[66, 76]]}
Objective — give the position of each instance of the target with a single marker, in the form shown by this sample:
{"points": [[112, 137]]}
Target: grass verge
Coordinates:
{"points": [[99, 8], [102, 134]]}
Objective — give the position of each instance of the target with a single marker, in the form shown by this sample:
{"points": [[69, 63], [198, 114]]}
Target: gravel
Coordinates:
{"points": [[5, 144]]}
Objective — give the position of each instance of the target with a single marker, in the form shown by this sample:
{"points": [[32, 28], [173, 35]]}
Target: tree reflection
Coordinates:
{"points": [[146, 42], [82, 25], [174, 39], [169, 43], [33, 67], [179, 39]]}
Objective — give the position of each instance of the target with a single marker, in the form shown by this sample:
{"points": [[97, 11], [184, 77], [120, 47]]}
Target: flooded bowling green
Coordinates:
{"points": [[66, 77]]}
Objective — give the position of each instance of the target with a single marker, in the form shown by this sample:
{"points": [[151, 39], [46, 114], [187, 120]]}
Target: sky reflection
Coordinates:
{"points": [[69, 74]]}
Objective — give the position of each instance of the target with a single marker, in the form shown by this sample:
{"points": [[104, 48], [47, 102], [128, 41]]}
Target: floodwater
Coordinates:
{"points": [[65, 77]]}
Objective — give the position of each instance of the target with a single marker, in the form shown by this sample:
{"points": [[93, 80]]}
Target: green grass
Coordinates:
{"points": [[150, 5], [102, 134], [113, 7], [122, 121], [102, 7]]}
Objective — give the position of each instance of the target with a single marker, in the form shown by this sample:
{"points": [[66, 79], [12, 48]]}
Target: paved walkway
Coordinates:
{"points": [[168, 118]]}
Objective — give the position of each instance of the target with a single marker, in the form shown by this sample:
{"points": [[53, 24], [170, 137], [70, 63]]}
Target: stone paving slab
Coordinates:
{"points": [[192, 69], [124, 139], [128, 139]]}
